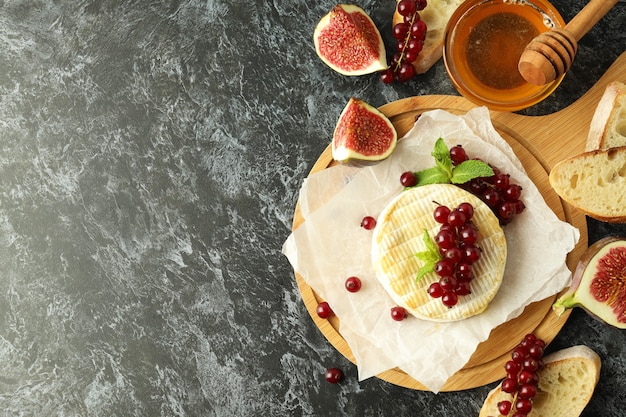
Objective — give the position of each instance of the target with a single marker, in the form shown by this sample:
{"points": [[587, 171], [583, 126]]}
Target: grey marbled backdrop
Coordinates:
{"points": [[150, 158]]}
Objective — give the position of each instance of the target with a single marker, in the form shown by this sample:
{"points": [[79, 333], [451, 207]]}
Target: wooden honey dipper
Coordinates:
{"points": [[550, 54]]}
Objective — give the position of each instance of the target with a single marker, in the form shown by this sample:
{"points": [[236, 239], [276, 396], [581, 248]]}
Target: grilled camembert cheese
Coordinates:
{"points": [[398, 237]]}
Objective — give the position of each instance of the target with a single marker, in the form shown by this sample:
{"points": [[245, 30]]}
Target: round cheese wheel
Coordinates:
{"points": [[399, 236]]}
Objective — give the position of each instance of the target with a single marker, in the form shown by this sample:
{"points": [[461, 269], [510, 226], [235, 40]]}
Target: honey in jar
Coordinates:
{"points": [[484, 43]]}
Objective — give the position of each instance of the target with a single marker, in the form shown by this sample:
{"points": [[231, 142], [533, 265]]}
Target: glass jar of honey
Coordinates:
{"points": [[483, 43]]}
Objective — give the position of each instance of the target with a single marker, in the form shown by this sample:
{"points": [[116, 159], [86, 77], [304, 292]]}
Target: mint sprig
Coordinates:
{"points": [[445, 172], [430, 256]]}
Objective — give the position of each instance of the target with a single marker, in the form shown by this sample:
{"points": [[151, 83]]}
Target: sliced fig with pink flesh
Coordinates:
{"points": [[363, 134], [348, 41], [599, 283]]}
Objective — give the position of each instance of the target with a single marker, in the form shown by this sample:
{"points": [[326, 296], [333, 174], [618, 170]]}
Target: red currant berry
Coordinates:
{"points": [[408, 179], [519, 354], [449, 299], [387, 76], [512, 367], [527, 391], [528, 377], [467, 209], [418, 30], [400, 30], [447, 283], [446, 227], [435, 290], [506, 210], [504, 407], [512, 192], [441, 214], [323, 310], [463, 269], [468, 234], [509, 385], [333, 375], [444, 268], [463, 288], [457, 154], [409, 56], [398, 313], [471, 253], [353, 284], [406, 7], [406, 72], [477, 186], [523, 405], [453, 255], [491, 197], [445, 239], [535, 351], [456, 218], [368, 223], [501, 181], [528, 340], [530, 364], [415, 45]]}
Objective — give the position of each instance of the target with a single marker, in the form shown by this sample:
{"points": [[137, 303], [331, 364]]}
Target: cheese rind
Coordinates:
{"points": [[398, 237]]}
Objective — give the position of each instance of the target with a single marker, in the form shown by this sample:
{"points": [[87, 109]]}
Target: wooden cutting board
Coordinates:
{"points": [[539, 142]]}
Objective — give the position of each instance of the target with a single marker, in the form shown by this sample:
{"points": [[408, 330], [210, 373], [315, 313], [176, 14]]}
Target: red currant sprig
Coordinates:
{"points": [[456, 242], [410, 35], [522, 376], [497, 191]]}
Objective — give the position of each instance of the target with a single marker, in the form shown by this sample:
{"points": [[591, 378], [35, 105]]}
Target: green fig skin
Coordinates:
{"points": [[580, 293]]}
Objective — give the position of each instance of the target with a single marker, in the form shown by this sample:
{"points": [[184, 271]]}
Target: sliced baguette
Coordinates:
{"points": [[566, 384], [436, 16], [608, 125], [594, 182]]}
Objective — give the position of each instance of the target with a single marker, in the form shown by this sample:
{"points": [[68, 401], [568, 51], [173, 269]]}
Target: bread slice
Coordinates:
{"points": [[608, 125], [594, 182], [566, 384], [399, 236], [436, 16]]}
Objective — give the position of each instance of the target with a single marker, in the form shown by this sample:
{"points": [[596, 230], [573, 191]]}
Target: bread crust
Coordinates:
{"points": [[604, 115]]}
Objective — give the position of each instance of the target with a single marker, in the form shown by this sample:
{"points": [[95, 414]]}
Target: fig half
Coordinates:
{"points": [[348, 41], [599, 282], [363, 134]]}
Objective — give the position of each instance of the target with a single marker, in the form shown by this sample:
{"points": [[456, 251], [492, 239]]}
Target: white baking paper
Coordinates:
{"points": [[330, 246]]}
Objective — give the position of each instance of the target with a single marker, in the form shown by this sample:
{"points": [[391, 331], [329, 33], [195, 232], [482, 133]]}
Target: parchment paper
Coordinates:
{"points": [[330, 246]]}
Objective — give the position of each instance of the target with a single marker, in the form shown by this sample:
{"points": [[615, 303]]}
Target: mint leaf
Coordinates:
{"points": [[430, 244], [432, 175], [441, 153], [470, 169], [444, 171], [425, 269], [430, 256]]}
